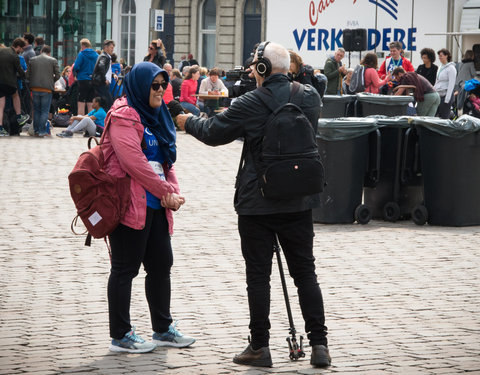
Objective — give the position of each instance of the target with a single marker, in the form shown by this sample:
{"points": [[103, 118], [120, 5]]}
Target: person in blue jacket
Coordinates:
{"points": [[83, 69], [116, 88]]}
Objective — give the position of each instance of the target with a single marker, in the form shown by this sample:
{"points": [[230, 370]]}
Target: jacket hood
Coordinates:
{"points": [[89, 52]]}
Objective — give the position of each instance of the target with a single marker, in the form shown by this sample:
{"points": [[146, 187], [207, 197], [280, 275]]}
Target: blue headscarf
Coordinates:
{"points": [[158, 120]]}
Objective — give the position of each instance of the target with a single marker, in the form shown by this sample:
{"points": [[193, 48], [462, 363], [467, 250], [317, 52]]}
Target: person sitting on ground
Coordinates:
{"points": [[156, 53], [62, 83], [425, 95], [372, 80], [188, 100], [428, 69], [92, 124]]}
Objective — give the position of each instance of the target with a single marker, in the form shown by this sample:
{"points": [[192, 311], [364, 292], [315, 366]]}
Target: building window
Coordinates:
{"points": [[207, 32], [168, 33], [127, 33], [252, 26]]}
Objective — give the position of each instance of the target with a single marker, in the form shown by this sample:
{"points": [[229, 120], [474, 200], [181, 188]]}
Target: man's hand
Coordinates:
{"points": [[172, 201], [181, 119]]}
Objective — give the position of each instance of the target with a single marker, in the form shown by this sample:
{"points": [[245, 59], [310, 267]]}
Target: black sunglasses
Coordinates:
{"points": [[156, 85]]}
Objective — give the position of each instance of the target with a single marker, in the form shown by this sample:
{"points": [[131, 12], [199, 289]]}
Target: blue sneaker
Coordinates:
{"points": [[132, 343], [172, 337]]}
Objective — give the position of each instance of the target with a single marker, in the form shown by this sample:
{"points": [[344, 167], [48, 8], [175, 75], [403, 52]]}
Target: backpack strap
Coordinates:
{"points": [[296, 96]]}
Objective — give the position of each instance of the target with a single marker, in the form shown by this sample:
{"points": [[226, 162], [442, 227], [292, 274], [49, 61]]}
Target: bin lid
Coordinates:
{"points": [[339, 129], [462, 126], [339, 98], [397, 121], [384, 99]]}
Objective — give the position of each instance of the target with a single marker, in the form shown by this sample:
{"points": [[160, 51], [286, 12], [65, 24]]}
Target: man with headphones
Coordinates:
{"points": [[260, 219]]}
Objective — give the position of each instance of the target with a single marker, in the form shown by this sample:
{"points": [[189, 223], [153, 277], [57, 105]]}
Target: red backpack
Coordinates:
{"points": [[100, 198]]}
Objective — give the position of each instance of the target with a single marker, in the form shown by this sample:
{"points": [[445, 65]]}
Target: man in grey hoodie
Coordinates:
{"points": [[42, 73]]}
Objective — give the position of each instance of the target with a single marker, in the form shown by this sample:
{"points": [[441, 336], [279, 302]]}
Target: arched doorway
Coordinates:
{"points": [[168, 33], [252, 26]]}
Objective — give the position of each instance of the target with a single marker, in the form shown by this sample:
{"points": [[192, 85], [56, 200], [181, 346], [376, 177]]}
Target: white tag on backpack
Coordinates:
{"points": [[95, 218]]}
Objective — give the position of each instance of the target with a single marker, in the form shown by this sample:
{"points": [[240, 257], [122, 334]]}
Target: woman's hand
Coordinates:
{"points": [[172, 201]]}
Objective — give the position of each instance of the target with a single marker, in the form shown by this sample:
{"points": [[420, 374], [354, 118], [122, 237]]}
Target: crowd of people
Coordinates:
{"points": [[140, 142], [437, 89]]}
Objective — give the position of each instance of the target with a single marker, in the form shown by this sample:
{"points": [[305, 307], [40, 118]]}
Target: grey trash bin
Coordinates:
{"points": [[343, 148], [335, 106], [389, 105], [450, 152], [399, 188]]}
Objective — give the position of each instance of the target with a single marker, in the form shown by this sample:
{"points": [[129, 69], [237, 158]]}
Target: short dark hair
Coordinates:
{"points": [[29, 37], [39, 40], [430, 53], [114, 58], [18, 42], [397, 70], [46, 49], [99, 100], [214, 72], [370, 60], [445, 52], [106, 42]]}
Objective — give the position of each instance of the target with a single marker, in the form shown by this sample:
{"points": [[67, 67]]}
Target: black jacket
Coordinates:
{"points": [[159, 59], [246, 118], [101, 68], [10, 67]]}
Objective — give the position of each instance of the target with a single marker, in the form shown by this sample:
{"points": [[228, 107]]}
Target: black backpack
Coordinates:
{"points": [[287, 160]]}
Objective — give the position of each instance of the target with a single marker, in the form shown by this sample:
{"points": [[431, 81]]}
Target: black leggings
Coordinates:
{"points": [[150, 246]]}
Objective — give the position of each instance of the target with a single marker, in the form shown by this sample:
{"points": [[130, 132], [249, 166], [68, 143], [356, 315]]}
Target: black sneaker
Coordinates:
{"points": [[320, 356], [260, 357], [65, 134]]}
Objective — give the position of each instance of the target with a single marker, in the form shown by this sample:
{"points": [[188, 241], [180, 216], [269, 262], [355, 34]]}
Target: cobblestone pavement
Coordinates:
{"points": [[399, 299]]}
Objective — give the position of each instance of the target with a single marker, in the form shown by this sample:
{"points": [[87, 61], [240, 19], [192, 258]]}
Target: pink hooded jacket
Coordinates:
{"points": [[123, 155]]}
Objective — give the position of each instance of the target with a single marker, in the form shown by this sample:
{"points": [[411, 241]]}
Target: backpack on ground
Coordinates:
{"points": [[288, 165], [100, 198], [357, 82]]}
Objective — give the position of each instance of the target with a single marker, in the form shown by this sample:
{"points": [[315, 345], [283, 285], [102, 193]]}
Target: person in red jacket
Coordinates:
{"points": [[395, 60], [188, 100]]}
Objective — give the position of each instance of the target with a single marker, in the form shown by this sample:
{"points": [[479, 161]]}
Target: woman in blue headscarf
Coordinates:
{"points": [[140, 142]]}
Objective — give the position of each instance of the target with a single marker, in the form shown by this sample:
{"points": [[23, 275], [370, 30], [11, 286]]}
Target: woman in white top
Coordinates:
{"points": [[445, 84]]}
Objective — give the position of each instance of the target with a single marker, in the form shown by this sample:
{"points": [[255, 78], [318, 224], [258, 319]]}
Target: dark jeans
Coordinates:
{"points": [[295, 234], [444, 109], [104, 92], [150, 246]]}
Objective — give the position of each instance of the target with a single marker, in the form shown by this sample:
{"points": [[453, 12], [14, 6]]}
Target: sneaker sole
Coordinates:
{"points": [[261, 363], [119, 349], [172, 344]]}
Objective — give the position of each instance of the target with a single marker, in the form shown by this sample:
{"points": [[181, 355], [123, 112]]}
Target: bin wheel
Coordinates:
{"points": [[391, 211], [363, 214], [420, 215]]}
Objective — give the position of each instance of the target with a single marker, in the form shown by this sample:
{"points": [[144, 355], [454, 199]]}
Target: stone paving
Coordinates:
{"points": [[399, 298]]}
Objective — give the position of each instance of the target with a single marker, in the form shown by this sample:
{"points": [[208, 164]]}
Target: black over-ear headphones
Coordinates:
{"points": [[263, 65]]}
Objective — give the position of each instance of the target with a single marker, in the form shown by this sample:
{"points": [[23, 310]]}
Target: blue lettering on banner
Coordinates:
{"points": [[311, 39], [323, 39], [373, 38], [386, 39], [412, 38]]}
